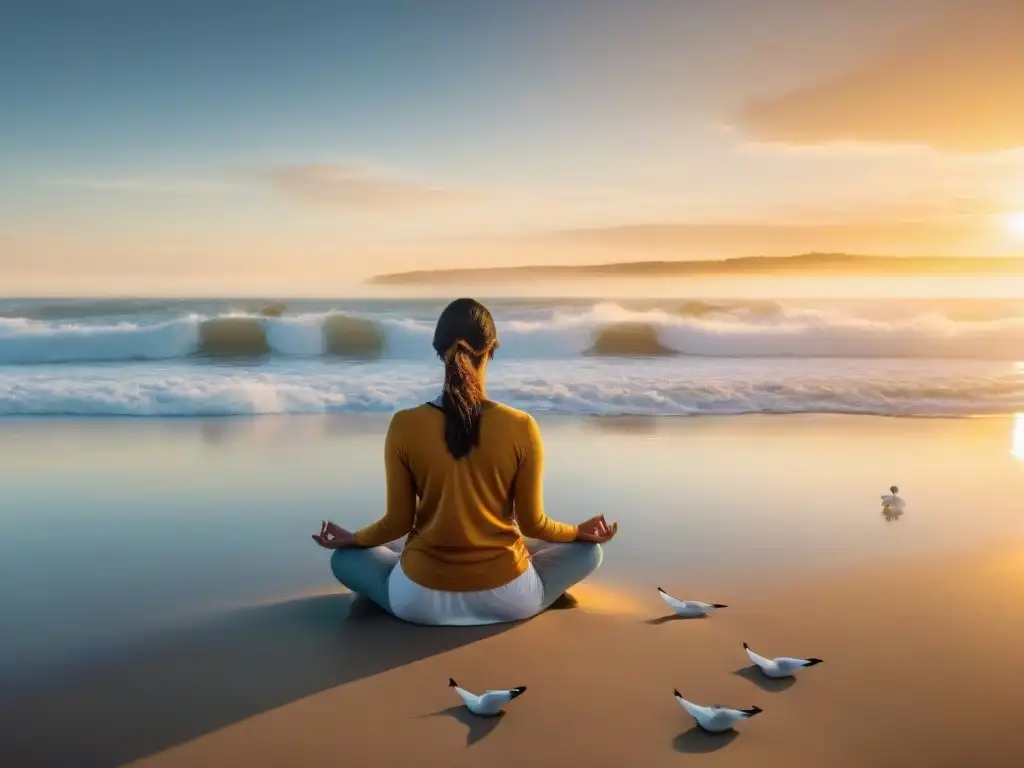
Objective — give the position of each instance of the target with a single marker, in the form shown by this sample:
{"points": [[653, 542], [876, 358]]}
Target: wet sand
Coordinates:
{"points": [[917, 619]]}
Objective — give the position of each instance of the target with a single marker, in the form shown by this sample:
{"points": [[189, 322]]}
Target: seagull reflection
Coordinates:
{"points": [[891, 515]]}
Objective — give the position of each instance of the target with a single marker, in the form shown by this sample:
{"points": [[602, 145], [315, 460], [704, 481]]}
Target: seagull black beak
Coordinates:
{"points": [[452, 683], [718, 605], [752, 711], [812, 662], [517, 692]]}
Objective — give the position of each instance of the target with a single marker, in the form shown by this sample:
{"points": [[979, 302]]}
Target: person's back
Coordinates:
{"points": [[464, 482], [472, 512]]}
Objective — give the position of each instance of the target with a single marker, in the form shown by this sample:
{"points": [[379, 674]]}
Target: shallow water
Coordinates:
{"points": [[110, 528]]}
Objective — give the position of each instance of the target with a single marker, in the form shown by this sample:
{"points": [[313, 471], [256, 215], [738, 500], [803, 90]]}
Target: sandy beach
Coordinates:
{"points": [[166, 610], [907, 679]]}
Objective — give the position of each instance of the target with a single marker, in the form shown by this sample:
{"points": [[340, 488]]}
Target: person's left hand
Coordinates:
{"points": [[333, 536], [596, 530]]}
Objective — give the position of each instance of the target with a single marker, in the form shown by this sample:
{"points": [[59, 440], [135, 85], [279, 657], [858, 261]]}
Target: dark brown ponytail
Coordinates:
{"points": [[462, 399], [464, 337]]}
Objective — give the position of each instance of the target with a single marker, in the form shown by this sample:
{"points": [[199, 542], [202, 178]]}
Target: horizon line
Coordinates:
{"points": [[735, 265]]}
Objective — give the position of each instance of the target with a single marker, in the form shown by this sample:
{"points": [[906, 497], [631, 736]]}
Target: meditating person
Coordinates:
{"points": [[464, 483]]}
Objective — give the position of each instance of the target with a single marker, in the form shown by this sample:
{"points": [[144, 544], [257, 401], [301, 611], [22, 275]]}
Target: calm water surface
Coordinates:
{"points": [[110, 528]]}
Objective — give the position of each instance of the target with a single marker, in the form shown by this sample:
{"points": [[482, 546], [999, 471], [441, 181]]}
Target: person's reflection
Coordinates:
{"points": [[631, 425], [891, 515]]}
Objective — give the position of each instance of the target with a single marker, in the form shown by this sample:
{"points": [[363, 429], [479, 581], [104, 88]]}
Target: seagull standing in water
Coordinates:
{"points": [[891, 501], [489, 703], [716, 718], [689, 608], [783, 666]]}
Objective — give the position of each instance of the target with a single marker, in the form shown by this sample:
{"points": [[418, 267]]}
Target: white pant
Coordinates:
{"points": [[519, 599], [376, 574]]}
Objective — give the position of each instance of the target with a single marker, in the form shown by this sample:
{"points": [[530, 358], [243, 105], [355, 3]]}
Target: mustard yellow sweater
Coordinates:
{"points": [[462, 516]]}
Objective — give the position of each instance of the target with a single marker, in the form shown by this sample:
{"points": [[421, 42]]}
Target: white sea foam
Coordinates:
{"points": [[921, 388]]}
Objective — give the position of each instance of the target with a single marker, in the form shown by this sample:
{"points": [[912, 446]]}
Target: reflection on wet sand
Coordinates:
{"points": [[222, 431], [891, 515], [1017, 439], [632, 425], [593, 596]]}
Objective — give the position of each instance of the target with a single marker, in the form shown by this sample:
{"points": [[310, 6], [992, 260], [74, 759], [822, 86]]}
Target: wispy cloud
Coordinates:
{"points": [[327, 184], [955, 86], [917, 232], [954, 211], [142, 186]]}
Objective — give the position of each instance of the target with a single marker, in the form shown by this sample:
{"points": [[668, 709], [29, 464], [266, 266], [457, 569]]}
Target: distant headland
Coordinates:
{"points": [[808, 264]]}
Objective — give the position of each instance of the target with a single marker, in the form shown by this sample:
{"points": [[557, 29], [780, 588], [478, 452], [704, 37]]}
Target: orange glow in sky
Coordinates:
{"points": [[1015, 224], [201, 165]]}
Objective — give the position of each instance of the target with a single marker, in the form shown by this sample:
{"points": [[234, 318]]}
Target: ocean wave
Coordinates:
{"points": [[25, 342], [30, 341], [653, 387], [629, 340], [83, 309], [335, 335], [742, 330]]}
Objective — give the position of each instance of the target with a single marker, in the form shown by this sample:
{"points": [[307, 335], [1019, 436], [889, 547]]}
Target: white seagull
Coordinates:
{"points": [[891, 500], [689, 608], [716, 718], [489, 703], [783, 666]]}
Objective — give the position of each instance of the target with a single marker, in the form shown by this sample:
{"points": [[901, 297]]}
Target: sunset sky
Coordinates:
{"points": [[241, 145]]}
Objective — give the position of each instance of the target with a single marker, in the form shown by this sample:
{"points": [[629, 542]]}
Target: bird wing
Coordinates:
{"points": [[495, 698], [723, 717], [694, 710], [470, 699], [685, 607], [673, 603], [758, 659], [499, 694], [791, 661]]}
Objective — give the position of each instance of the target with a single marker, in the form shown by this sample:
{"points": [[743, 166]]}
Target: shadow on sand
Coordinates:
{"points": [[757, 677], [478, 727], [565, 602], [697, 740], [672, 617], [177, 686]]}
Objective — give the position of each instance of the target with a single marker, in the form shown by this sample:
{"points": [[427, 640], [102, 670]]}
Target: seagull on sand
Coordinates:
{"points": [[716, 718], [689, 608], [489, 703], [783, 666]]}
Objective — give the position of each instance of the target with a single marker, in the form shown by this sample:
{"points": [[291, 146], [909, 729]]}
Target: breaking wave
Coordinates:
{"points": [[24, 342], [696, 329], [629, 340]]}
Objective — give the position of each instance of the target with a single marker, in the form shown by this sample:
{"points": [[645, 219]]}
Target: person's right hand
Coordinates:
{"points": [[333, 536], [596, 530]]}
